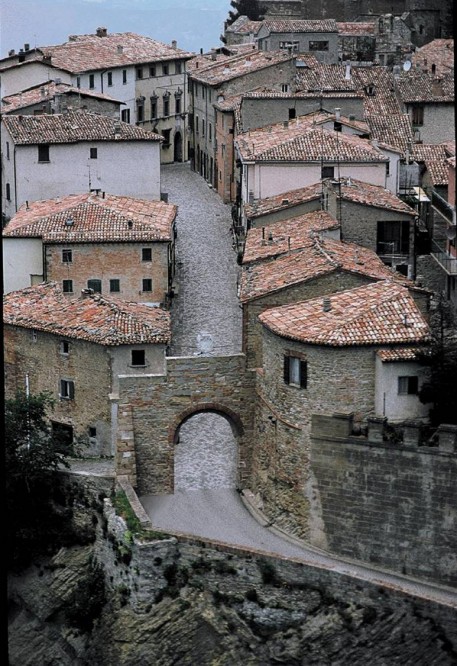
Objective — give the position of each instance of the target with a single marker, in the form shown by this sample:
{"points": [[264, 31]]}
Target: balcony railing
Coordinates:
{"points": [[442, 206], [447, 262]]}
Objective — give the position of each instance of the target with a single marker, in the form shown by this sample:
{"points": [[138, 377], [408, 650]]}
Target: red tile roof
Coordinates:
{"points": [[298, 141], [297, 25], [399, 354], [415, 86], [215, 73], [435, 157], [72, 127], [283, 201], [320, 77], [353, 29], [244, 26], [439, 52], [45, 92], [94, 220], [376, 196], [290, 234], [316, 257], [109, 322], [84, 53], [375, 314]]}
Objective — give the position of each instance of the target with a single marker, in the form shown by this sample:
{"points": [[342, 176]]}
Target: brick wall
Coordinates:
{"points": [[391, 504]]}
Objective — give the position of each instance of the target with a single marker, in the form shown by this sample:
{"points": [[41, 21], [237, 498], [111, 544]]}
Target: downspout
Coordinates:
{"points": [[15, 179]]}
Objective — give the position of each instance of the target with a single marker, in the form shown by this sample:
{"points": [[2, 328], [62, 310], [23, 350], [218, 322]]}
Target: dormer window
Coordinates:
{"points": [[370, 90]]}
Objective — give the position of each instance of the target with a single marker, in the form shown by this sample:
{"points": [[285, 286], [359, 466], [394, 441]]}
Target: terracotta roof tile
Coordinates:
{"points": [[320, 77], [298, 141], [435, 157], [290, 234], [392, 129], [72, 127], [244, 26], [353, 29], [439, 52], [366, 194], [45, 92], [375, 314], [214, 73], [84, 53], [294, 25], [283, 201], [109, 322], [400, 354], [94, 218], [317, 256], [415, 86]]}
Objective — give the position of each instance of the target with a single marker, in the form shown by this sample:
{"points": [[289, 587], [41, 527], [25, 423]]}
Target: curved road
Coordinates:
{"points": [[205, 502]]}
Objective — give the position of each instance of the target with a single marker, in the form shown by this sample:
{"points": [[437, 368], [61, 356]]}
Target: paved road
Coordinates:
{"points": [[205, 502]]}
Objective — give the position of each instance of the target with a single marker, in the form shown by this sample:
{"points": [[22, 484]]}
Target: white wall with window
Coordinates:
{"points": [[396, 390], [146, 359], [22, 259]]}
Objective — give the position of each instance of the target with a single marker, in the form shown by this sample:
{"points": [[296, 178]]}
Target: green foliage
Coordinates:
{"points": [[441, 388], [250, 8]]}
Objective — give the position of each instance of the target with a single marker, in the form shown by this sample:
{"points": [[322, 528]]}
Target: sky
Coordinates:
{"points": [[195, 24]]}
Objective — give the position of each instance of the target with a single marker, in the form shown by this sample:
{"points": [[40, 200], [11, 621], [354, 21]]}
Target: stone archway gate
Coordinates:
{"points": [[152, 408]]}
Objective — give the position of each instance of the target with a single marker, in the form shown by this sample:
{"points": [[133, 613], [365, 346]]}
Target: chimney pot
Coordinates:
{"points": [[326, 304]]}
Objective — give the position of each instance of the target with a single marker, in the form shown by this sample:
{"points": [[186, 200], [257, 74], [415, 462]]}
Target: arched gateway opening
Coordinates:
{"points": [[206, 449]]}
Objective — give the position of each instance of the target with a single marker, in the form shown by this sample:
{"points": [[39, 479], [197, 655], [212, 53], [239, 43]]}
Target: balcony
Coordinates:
{"points": [[443, 207], [441, 255]]}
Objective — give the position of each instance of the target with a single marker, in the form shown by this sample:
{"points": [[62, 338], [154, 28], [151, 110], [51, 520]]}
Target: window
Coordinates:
{"points": [[165, 69], [93, 153], [289, 46], [146, 254], [110, 78], [140, 112], [388, 168], [408, 385], [125, 115], [91, 81], [67, 389], [8, 192], [392, 237], [78, 82], [178, 68], [166, 106], [95, 285], [328, 172], [139, 72], [295, 371], [292, 114], [318, 46], [67, 286], [285, 87], [43, 152], [147, 284], [124, 76], [114, 286], [92, 432], [210, 131], [196, 124], [64, 347], [67, 256], [138, 357], [166, 135], [34, 336], [203, 127], [337, 126], [7, 150], [178, 105], [152, 70], [418, 115], [153, 107]]}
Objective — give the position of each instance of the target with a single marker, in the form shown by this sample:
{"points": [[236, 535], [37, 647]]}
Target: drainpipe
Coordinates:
{"points": [[15, 179]]}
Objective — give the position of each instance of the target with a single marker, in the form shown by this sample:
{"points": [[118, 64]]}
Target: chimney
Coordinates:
{"points": [[85, 293], [347, 75], [213, 56], [326, 304], [120, 49], [338, 114], [130, 224], [174, 44], [101, 32], [43, 91], [270, 237], [26, 47], [12, 52]]}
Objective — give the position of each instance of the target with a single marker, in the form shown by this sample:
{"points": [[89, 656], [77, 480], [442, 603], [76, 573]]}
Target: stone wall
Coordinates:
{"points": [[161, 403], [392, 504]]}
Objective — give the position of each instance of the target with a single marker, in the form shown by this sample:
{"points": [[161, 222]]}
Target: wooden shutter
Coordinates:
{"points": [[71, 390]]}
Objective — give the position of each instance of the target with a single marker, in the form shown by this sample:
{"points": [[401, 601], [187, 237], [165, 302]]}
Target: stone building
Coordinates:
{"points": [[262, 212], [317, 37], [55, 97], [213, 79], [312, 267], [147, 75], [319, 356], [113, 245], [77, 349], [48, 156]]}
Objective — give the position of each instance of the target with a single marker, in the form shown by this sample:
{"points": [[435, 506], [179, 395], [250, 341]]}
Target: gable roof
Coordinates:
{"points": [[244, 26], [367, 194], [72, 127], [285, 235], [419, 87], [214, 73], [45, 92], [283, 201], [88, 53], [298, 25], [438, 52], [316, 257], [109, 322], [95, 219], [374, 314], [298, 141]]}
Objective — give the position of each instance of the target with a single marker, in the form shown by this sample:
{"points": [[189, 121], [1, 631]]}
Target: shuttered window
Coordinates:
{"points": [[295, 371]]}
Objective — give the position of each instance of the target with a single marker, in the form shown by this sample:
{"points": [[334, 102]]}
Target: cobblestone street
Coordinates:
{"points": [[206, 319]]}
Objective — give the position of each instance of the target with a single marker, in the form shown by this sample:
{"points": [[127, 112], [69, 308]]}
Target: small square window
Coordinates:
{"points": [[328, 172], [295, 371], [67, 389], [67, 286], [408, 385], [138, 357], [114, 286], [67, 256], [93, 153], [95, 285], [147, 284], [125, 115], [92, 432], [64, 347], [146, 254], [43, 153]]}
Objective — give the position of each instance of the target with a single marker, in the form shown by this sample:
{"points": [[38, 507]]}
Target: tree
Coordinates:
{"points": [[250, 8], [441, 387]]}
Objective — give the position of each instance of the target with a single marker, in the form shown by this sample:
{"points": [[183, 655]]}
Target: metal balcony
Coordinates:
{"points": [[447, 262]]}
